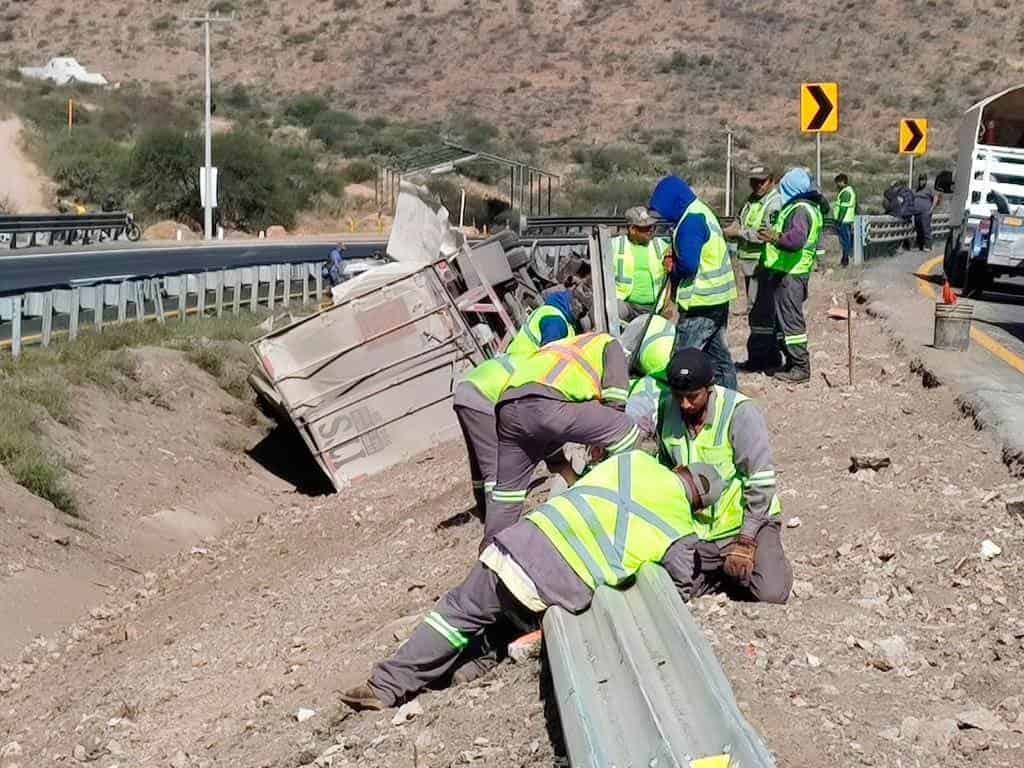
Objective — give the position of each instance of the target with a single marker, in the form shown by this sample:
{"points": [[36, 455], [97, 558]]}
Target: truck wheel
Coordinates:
{"points": [[977, 281], [954, 263]]}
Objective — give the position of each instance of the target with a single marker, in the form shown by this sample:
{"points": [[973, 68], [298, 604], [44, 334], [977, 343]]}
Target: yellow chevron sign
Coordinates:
{"points": [[913, 136]]}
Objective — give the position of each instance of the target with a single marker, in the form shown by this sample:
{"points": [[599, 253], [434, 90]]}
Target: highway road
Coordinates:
{"points": [[38, 269]]}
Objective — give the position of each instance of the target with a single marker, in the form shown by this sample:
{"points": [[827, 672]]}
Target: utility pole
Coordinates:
{"points": [[206, 21]]}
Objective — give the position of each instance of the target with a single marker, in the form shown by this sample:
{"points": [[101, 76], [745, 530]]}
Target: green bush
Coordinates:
{"points": [[304, 110], [610, 197], [358, 171], [86, 164]]}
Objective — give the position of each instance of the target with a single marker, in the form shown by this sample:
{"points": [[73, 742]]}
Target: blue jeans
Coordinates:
{"points": [[706, 331], [845, 232]]}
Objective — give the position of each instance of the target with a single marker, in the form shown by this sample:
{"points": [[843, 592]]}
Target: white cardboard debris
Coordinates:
{"points": [[990, 550], [62, 70], [303, 714], [407, 712]]}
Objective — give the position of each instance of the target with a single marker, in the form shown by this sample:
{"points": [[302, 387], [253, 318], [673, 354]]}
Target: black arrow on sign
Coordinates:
{"points": [[915, 135], [825, 108]]}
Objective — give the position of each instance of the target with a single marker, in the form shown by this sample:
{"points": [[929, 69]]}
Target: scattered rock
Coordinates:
{"points": [[990, 550], [303, 714], [934, 735], [79, 753], [803, 589], [276, 231], [873, 461], [407, 712], [982, 719], [1015, 508], [64, 541], [794, 522], [100, 613], [813, 661], [893, 652], [131, 632], [326, 758], [12, 749], [199, 551], [526, 647], [115, 749]]}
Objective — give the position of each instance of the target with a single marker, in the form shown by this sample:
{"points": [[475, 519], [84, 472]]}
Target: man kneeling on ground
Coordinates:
{"points": [[556, 555]]}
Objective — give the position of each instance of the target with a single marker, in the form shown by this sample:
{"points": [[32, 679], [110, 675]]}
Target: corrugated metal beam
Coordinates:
{"points": [[637, 684]]}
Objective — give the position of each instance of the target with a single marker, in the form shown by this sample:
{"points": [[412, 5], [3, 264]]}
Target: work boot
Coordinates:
{"points": [[476, 668], [361, 698], [792, 375]]}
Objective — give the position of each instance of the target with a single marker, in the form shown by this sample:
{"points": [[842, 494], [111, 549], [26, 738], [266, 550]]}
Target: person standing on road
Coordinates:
{"points": [[626, 512], [702, 276], [334, 269], [639, 265], [845, 212], [737, 546], [925, 201], [790, 256], [573, 391]]}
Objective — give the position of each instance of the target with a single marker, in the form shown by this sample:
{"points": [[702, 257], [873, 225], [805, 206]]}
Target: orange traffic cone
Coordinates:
{"points": [[948, 297]]}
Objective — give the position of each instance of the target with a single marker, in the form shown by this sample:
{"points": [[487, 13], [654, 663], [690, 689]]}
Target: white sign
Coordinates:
{"points": [[202, 187]]}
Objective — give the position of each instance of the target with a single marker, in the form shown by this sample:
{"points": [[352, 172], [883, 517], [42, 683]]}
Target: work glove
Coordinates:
{"points": [[732, 231], [739, 559]]}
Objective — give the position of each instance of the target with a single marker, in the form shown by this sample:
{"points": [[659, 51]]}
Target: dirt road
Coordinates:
{"points": [[901, 646], [22, 184]]}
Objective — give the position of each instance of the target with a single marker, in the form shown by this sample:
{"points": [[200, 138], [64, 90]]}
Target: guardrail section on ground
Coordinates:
{"points": [[878, 233], [637, 684]]}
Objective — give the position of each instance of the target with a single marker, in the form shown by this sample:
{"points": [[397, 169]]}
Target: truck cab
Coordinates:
{"points": [[987, 210]]}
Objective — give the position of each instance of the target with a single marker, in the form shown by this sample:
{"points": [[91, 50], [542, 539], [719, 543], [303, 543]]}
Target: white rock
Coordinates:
{"points": [[303, 714], [407, 712], [982, 719], [990, 550], [813, 661], [199, 551], [794, 522], [114, 748], [79, 753], [12, 749]]}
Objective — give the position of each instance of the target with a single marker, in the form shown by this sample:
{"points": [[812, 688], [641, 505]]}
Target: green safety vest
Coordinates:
{"points": [[753, 218], [714, 282], [711, 446], [527, 340], [625, 512], [656, 348], [847, 200], [574, 367], [491, 377], [795, 262], [639, 270]]}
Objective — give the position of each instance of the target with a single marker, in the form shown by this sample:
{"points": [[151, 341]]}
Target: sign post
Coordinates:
{"points": [[819, 113], [913, 142]]}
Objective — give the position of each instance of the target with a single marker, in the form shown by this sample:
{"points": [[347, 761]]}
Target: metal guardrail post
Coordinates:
{"points": [[16, 327], [272, 289], [219, 291], [201, 295], [318, 277], [140, 302], [182, 297], [858, 240], [47, 317], [73, 311], [158, 300], [286, 283], [98, 306], [236, 291], [122, 301], [254, 291]]}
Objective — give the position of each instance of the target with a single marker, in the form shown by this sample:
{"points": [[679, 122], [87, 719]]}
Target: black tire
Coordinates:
{"points": [[134, 233], [954, 262], [978, 280]]}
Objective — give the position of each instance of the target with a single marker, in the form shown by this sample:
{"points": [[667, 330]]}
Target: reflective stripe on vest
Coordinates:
{"points": [[639, 270], [713, 446], [527, 340], [656, 349], [574, 367], [798, 262], [491, 376], [754, 219], [714, 282], [625, 512]]}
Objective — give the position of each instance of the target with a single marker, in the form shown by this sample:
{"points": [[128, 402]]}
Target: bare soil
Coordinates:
{"points": [[205, 657], [22, 186]]}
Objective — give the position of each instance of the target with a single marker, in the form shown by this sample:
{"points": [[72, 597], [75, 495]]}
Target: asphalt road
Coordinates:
{"points": [[39, 269]]}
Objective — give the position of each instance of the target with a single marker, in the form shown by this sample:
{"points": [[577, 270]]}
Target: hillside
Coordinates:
{"points": [[574, 72]]}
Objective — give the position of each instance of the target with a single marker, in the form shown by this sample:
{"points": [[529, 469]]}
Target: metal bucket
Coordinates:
{"points": [[953, 325]]}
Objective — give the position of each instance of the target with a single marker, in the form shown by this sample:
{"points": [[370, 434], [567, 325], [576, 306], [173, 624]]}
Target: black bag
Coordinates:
{"points": [[898, 201]]}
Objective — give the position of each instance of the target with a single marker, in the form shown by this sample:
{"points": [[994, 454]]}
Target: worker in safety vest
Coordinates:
{"points": [[648, 366], [738, 546], [477, 394], [702, 278], [759, 210], [789, 258], [552, 321], [639, 265], [572, 391], [845, 211], [626, 512]]}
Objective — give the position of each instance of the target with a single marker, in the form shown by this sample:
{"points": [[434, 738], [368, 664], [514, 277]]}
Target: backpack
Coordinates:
{"points": [[898, 201]]}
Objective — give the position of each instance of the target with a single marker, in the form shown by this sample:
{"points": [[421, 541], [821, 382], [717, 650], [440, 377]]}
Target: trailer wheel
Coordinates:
{"points": [[954, 262]]}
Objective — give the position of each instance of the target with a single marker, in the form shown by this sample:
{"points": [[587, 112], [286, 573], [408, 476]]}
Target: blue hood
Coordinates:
{"points": [[671, 197], [562, 301]]}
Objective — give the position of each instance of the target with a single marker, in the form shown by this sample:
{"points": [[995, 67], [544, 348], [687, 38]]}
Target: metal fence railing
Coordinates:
{"points": [[39, 316], [875, 234], [60, 228]]}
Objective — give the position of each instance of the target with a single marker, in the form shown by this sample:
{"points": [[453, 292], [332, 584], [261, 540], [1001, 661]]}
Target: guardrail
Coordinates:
{"points": [[68, 228], [66, 311], [637, 684], [873, 232]]}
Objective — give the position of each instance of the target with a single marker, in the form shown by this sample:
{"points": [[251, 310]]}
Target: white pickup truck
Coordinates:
{"points": [[987, 209]]}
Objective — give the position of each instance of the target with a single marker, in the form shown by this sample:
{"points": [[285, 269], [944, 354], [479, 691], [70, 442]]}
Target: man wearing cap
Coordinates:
{"points": [[737, 543], [626, 512], [639, 265], [702, 277], [760, 209], [845, 212]]}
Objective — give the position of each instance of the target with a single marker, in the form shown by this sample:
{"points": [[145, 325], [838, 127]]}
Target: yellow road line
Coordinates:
{"points": [[983, 339]]}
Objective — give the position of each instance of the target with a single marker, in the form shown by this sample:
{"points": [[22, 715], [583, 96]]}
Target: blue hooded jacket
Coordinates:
{"points": [[555, 328], [670, 199]]}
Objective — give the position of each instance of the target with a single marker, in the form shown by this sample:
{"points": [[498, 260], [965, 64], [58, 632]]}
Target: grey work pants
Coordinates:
{"points": [[790, 295], [770, 581], [705, 329], [480, 432], [748, 268], [763, 344], [447, 636], [534, 428]]}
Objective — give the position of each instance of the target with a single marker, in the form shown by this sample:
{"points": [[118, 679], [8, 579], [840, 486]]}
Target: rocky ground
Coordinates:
{"points": [[902, 645]]}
